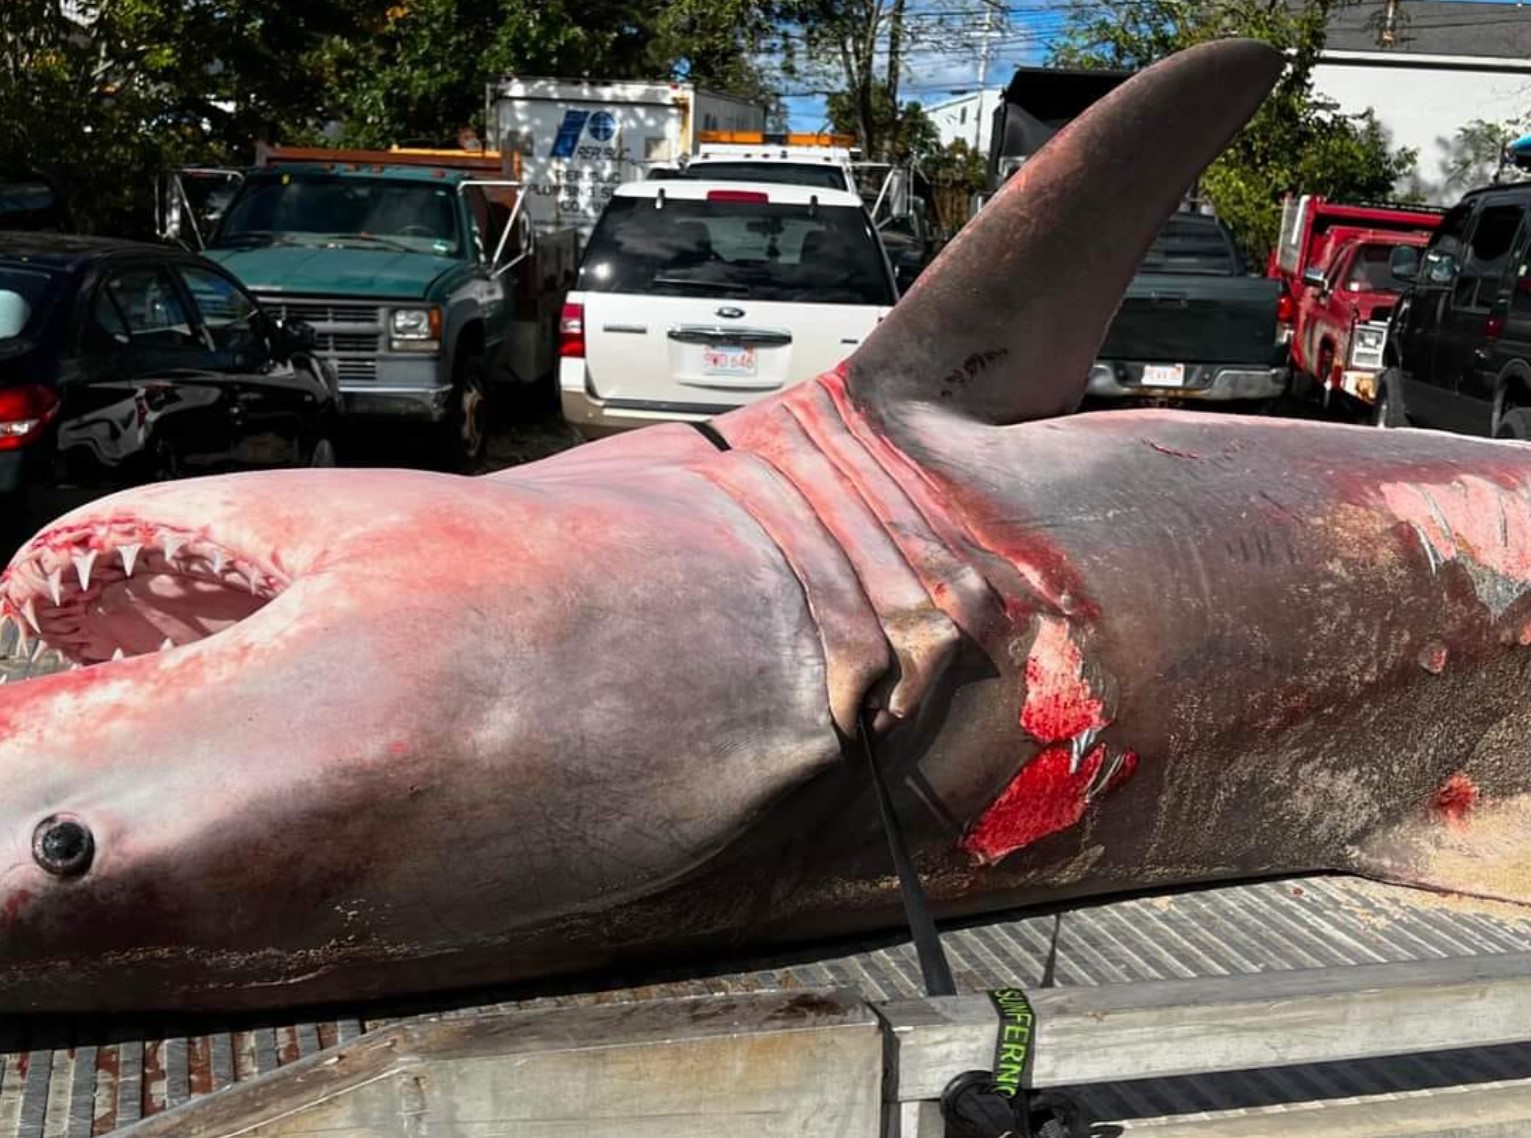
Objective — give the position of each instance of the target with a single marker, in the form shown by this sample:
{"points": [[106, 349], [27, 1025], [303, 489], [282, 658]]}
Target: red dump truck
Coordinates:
{"points": [[1338, 291]]}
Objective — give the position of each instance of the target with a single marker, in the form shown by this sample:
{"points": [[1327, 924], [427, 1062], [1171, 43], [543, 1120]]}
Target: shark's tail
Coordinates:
{"points": [[1004, 324]]}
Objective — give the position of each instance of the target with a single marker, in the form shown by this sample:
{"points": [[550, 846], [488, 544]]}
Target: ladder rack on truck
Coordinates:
{"points": [[1307, 1006]]}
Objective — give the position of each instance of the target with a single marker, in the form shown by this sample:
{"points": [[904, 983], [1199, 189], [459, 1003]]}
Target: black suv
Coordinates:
{"points": [[1459, 345]]}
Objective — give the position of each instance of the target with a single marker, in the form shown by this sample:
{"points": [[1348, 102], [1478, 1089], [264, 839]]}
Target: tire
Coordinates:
{"points": [[1515, 424], [463, 435], [1388, 411]]}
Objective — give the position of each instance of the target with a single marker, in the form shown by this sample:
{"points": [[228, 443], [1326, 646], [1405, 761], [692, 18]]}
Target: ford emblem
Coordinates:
{"points": [[730, 313]]}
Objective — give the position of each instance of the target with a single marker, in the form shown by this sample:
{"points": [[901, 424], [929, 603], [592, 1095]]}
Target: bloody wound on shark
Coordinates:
{"points": [[413, 731]]}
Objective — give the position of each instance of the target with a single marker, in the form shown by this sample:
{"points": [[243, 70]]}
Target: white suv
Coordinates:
{"points": [[696, 297]]}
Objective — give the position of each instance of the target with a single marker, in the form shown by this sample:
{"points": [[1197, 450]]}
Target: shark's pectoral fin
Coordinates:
{"points": [[1460, 845]]}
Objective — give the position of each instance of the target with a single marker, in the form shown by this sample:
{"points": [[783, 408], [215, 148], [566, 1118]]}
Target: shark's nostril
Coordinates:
{"points": [[63, 845]]}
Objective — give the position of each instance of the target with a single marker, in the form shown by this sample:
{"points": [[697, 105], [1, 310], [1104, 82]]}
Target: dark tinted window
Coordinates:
{"points": [[1444, 253], [227, 313], [755, 250], [773, 173], [1488, 256], [1192, 243], [26, 295], [415, 216], [151, 308]]}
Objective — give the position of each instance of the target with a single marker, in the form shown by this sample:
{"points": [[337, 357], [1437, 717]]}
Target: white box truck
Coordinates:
{"points": [[579, 139]]}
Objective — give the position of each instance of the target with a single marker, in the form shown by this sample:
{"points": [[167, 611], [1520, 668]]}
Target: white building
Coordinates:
{"points": [[968, 117], [1427, 68]]}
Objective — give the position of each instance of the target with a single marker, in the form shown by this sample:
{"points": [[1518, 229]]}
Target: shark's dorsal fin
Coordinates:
{"points": [[1004, 324]]}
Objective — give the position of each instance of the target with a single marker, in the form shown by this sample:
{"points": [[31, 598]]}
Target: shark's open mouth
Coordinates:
{"points": [[104, 592]]}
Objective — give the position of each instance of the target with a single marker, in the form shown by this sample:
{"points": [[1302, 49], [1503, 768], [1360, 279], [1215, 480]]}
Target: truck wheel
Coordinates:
{"points": [[1515, 424], [1388, 410], [464, 432]]}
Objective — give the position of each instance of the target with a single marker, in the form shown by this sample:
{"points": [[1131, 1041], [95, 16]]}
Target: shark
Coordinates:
{"points": [[344, 734]]}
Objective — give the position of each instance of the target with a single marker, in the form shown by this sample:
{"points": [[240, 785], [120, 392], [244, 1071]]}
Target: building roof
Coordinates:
{"points": [[1463, 28]]}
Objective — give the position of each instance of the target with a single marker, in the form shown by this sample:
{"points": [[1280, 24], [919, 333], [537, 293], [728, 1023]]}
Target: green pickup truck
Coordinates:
{"points": [[403, 263]]}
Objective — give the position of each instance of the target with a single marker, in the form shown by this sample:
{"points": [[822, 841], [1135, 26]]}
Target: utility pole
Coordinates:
{"points": [[1388, 34], [985, 48], [895, 64]]}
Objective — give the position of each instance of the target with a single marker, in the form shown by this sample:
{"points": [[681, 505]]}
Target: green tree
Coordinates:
{"points": [[103, 104], [1475, 157], [899, 136], [421, 70], [1295, 143]]}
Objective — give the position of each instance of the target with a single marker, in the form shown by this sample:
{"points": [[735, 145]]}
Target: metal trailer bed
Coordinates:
{"points": [[69, 1078], [81, 1076]]}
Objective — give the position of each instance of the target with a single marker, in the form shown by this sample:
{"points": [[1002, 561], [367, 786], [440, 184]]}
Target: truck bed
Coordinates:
{"points": [[72, 1077], [1193, 318]]}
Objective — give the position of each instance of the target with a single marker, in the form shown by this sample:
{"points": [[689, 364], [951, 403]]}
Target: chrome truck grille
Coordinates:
{"points": [[350, 334]]}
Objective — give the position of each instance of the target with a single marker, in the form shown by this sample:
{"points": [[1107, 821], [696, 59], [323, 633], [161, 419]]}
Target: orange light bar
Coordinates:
{"points": [[762, 137]]}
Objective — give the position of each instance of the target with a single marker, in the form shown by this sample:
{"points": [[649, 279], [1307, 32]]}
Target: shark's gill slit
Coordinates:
{"points": [[106, 593]]}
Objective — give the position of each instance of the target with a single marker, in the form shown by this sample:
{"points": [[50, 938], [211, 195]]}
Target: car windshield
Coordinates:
{"points": [[375, 213], [773, 173], [743, 249], [26, 295], [1371, 270]]}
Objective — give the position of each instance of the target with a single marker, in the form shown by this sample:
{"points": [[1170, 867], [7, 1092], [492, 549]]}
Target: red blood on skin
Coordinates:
{"points": [[10, 912], [1059, 703], [1433, 658], [1041, 800], [1456, 798]]}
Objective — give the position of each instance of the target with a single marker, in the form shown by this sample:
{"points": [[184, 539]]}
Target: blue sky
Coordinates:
{"points": [[943, 61], [947, 64]]}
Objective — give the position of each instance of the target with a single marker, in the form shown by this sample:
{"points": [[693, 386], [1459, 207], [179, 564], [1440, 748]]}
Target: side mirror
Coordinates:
{"points": [[1403, 262], [298, 335], [1313, 276]]}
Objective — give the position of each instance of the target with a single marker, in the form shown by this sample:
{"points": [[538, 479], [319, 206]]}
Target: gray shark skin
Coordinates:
{"points": [[414, 732]]}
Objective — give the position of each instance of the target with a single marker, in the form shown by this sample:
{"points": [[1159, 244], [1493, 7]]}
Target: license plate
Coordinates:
{"points": [[1164, 375], [728, 361]]}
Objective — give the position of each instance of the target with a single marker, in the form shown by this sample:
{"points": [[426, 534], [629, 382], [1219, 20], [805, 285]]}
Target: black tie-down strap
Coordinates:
{"points": [[1001, 1103], [977, 1104]]}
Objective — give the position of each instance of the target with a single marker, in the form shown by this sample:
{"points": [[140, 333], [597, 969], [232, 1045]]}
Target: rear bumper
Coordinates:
{"points": [[1215, 383], [594, 417]]}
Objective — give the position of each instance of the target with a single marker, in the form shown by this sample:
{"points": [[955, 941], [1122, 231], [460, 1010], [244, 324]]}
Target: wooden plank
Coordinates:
{"points": [[1486, 1112], [775, 1065], [1227, 1023]]}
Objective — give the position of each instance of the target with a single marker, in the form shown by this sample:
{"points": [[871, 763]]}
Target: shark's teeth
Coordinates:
{"points": [[218, 562], [129, 554], [119, 654], [56, 586], [166, 644], [29, 610], [83, 564], [170, 544]]}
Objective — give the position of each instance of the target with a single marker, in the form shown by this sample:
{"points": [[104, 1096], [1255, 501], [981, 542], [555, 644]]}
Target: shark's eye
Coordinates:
{"points": [[63, 845]]}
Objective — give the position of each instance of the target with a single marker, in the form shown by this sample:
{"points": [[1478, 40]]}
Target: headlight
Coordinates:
{"points": [[417, 323], [1370, 339]]}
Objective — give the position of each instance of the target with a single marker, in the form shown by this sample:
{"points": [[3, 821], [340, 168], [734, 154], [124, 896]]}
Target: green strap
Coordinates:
{"points": [[1017, 1032]]}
